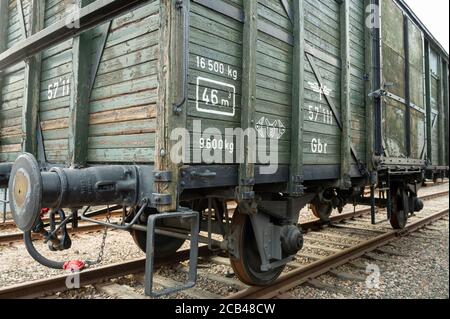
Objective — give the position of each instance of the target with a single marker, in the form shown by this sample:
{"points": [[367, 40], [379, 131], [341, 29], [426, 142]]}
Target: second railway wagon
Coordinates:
{"points": [[173, 108]]}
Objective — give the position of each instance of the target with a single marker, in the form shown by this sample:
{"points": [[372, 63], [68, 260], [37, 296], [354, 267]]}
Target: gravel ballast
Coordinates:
{"points": [[421, 273]]}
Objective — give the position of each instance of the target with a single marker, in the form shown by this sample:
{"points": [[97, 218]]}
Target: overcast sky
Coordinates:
{"points": [[435, 15]]}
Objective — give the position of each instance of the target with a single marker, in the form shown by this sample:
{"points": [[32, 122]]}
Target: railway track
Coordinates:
{"points": [[88, 228], [42, 287], [313, 224], [303, 275], [10, 225], [82, 229], [348, 237]]}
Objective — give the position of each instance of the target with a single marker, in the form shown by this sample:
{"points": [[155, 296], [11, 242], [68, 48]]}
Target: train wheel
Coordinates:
{"points": [[248, 266], [321, 210], [164, 246], [399, 215]]}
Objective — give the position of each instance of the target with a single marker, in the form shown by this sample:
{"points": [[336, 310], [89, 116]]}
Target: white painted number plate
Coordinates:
{"points": [[216, 97]]}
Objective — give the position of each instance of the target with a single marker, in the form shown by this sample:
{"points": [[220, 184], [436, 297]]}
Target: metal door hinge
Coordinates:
{"points": [[378, 93], [162, 177], [161, 199], [248, 182]]}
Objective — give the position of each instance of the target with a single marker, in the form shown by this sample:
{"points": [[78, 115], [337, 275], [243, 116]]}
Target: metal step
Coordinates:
{"points": [[194, 218]]}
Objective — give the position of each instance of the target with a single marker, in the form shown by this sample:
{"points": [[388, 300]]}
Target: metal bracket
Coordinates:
{"points": [[162, 177], [268, 238], [161, 199], [276, 264], [298, 190], [205, 174], [378, 93], [40, 145], [248, 196], [193, 257], [248, 182], [179, 105], [99, 54], [297, 181], [362, 168], [373, 178], [346, 182]]}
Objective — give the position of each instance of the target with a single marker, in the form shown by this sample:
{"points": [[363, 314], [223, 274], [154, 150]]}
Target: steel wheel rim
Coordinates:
{"points": [[399, 218], [248, 266]]}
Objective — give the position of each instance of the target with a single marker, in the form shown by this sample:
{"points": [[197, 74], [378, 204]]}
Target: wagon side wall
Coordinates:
{"points": [[12, 80], [122, 117], [94, 95], [437, 107], [413, 77]]}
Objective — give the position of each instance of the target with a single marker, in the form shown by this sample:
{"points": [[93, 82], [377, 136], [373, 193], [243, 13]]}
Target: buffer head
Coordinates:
{"points": [[25, 192]]}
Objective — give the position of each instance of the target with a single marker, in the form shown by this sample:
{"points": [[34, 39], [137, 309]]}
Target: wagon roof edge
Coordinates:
{"points": [[428, 34]]}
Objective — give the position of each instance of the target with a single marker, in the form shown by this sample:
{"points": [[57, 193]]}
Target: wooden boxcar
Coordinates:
{"points": [[172, 108]]}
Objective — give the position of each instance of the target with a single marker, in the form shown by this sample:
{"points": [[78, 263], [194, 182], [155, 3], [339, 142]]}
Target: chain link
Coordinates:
{"points": [[103, 244]]}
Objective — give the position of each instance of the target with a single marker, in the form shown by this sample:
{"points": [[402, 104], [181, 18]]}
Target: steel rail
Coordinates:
{"points": [[316, 269], [39, 288], [314, 224], [79, 230], [113, 209], [58, 284]]}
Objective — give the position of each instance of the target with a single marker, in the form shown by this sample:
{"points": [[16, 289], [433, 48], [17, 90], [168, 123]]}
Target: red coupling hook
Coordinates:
{"points": [[74, 265]]}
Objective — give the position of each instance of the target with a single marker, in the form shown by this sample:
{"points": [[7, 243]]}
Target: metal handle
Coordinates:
{"points": [[205, 174]]}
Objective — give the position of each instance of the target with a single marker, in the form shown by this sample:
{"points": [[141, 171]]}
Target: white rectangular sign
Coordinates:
{"points": [[216, 97]]}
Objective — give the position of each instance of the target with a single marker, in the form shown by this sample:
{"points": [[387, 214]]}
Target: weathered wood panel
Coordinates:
{"points": [[122, 101], [12, 81], [417, 90], [215, 85], [122, 117], [357, 73], [435, 92], [393, 71], [322, 136], [215, 78], [56, 85], [274, 60]]}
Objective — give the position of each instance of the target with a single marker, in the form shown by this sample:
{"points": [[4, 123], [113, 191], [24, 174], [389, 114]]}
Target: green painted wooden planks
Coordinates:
{"points": [[122, 102]]}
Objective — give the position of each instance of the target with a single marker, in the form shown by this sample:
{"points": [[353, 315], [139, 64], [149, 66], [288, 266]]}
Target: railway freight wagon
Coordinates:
{"points": [[173, 108]]}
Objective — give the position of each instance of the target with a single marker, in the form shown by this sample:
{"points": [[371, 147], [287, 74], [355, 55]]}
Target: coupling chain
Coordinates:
{"points": [[103, 244]]}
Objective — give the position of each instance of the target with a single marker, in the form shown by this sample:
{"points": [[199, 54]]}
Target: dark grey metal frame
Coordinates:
{"points": [[150, 255]]}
